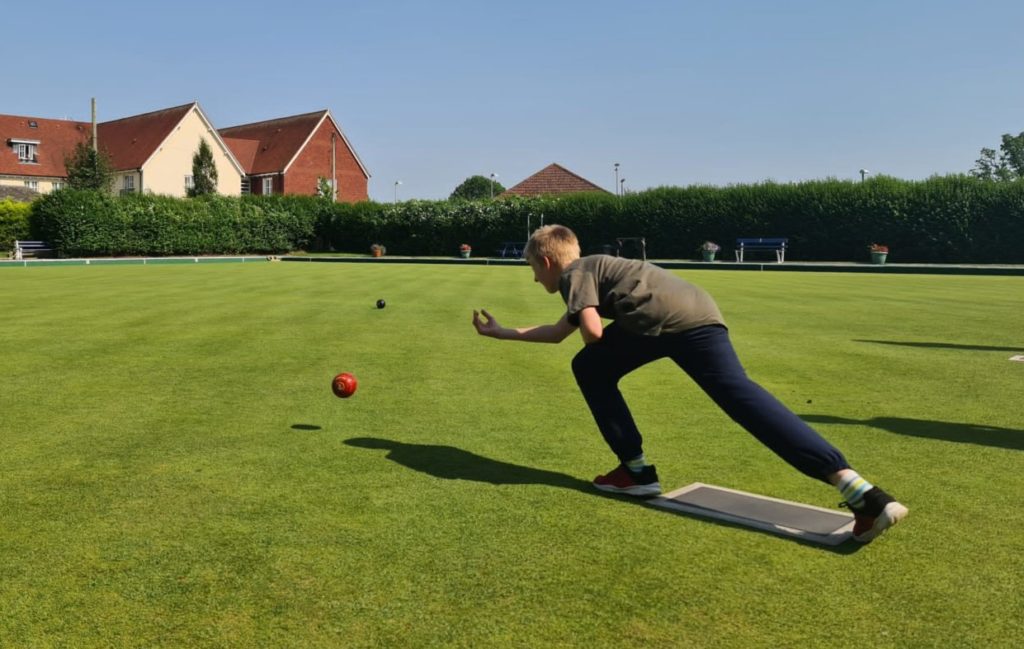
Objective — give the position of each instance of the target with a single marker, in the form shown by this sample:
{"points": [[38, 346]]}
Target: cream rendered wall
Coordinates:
{"points": [[119, 181], [44, 185], [166, 170]]}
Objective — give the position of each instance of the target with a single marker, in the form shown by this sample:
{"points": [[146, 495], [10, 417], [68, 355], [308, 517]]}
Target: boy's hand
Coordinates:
{"points": [[486, 327]]}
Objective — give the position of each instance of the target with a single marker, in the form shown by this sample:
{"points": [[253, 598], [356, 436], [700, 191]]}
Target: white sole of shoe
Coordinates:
{"points": [[893, 513], [644, 490]]}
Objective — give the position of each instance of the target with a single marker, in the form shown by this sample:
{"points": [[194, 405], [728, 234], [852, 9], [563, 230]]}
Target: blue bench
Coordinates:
{"points": [[31, 249], [777, 244]]}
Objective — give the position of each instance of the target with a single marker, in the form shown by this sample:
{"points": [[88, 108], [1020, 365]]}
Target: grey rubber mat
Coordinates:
{"points": [[772, 514]]}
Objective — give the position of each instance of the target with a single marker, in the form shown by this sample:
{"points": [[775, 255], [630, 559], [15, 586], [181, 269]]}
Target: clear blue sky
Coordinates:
{"points": [[678, 92]]}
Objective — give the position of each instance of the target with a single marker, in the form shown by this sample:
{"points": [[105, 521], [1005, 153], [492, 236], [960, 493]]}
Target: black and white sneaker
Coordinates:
{"points": [[878, 512]]}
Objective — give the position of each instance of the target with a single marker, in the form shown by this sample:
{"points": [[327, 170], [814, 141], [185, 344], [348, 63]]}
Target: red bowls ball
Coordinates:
{"points": [[344, 385]]}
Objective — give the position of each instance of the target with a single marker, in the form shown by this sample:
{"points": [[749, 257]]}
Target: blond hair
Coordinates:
{"points": [[556, 242]]}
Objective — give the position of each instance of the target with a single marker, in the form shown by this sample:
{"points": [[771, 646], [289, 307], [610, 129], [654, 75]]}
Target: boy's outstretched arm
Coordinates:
{"points": [[550, 333]]}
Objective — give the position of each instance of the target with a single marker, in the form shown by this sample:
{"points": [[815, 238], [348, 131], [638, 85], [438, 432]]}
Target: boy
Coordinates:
{"points": [[655, 314]]}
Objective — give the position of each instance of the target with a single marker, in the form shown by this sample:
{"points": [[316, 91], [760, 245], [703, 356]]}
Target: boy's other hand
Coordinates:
{"points": [[487, 326]]}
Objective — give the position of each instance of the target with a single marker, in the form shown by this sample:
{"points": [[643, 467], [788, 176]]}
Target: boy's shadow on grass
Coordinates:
{"points": [[942, 430], [452, 463]]}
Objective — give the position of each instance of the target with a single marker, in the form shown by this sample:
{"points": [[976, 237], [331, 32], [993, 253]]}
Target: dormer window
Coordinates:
{"points": [[26, 150]]}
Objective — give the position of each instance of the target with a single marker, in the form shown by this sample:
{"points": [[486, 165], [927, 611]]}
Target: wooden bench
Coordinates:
{"points": [[31, 249], [778, 244], [512, 249]]}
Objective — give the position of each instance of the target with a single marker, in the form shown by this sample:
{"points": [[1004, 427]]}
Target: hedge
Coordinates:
{"points": [[86, 223], [955, 219], [14, 223]]}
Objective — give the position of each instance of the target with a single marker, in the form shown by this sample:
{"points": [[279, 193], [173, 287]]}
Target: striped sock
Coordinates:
{"points": [[637, 464], [853, 487]]}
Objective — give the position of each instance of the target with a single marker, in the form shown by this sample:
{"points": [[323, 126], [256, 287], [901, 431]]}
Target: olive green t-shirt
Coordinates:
{"points": [[643, 298]]}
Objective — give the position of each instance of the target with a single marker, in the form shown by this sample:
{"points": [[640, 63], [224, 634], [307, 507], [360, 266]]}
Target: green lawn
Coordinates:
{"points": [[175, 472]]}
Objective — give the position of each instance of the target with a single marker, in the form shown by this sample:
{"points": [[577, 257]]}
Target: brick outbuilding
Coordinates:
{"points": [[289, 155]]}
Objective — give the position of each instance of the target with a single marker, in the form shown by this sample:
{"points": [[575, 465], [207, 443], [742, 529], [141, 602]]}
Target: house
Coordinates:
{"points": [[18, 194], [290, 155], [553, 179], [153, 153], [32, 156]]}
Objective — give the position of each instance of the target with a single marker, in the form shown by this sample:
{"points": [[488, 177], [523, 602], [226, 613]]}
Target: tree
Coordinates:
{"points": [[1006, 165], [204, 172], [477, 187], [324, 189], [88, 169]]}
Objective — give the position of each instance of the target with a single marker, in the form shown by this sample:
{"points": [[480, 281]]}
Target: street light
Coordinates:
{"points": [[622, 187], [397, 183], [616, 176], [493, 176], [863, 172]]}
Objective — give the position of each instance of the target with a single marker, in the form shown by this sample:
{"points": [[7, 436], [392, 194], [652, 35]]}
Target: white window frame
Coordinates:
{"points": [[268, 185], [58, 184], [32, 184], [128, 183], [26, 151], [190, 182]]}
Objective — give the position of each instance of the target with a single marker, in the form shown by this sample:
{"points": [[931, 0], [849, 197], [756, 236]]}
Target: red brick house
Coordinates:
{"points": [[290, 154], [553, 179]]}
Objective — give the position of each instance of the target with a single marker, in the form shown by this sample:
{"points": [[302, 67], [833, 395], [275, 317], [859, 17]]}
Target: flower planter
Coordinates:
{"points": [[709, 255], [465, 253], [878, 258], [376, 253]]}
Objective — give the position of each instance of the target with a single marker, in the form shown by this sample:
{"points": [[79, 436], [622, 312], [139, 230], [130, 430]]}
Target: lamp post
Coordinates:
{"points": [[616, 178], [493, 176], [863, 172], [622, 187], [397, 183]]}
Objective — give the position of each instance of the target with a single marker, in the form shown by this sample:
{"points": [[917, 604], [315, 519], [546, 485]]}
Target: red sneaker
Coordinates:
{"points": [[624, 481], [876, 514]]}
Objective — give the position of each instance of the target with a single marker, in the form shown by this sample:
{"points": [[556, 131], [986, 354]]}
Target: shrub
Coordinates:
{"points": [[14, 223]]}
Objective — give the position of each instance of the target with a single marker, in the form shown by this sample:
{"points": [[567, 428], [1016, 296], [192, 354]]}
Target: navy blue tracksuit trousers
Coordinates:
{"points": [[707, 355]]}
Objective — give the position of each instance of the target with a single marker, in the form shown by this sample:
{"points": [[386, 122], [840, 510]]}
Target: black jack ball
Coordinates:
{"points": [[381, 304]]}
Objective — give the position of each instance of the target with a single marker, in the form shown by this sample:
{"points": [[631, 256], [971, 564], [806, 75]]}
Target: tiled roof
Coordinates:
{"points": [[553, 179], [20, 194], [132, 140], [267, 147], [243, 150], [56, 137]]}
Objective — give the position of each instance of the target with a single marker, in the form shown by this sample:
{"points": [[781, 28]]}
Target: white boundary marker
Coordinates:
{"points": [[686, 499], [1019, 358]]}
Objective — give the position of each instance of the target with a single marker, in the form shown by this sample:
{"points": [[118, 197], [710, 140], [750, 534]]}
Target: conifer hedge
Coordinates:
{"points": [[83, 223], [953, 219]]}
